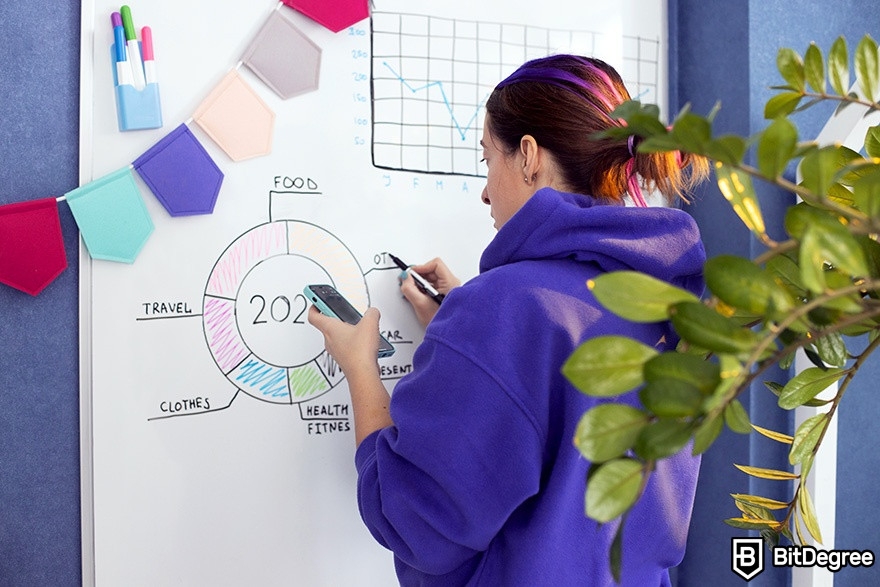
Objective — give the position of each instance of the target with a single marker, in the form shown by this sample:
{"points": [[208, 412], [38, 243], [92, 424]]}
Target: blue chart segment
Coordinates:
{"points": [[431, 77]]}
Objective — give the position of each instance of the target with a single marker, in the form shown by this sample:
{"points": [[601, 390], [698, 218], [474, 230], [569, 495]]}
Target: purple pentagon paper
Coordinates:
{"points": [[284, 57], [181, 174]]}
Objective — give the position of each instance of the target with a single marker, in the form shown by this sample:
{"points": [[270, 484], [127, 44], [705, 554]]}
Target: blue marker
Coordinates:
{"points": [[123, 70]]}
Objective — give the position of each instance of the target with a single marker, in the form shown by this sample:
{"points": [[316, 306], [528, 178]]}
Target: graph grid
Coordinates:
{"points": [[431, 77]]}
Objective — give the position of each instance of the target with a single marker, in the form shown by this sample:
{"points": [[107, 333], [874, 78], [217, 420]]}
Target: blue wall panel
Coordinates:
{"points": [[39, 363]]}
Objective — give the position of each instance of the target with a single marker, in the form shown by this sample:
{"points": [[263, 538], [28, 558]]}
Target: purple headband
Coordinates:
{"points": [[545, 70]]}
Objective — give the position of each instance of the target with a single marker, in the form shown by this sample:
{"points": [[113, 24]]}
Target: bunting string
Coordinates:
{"points": [[110, 212]]}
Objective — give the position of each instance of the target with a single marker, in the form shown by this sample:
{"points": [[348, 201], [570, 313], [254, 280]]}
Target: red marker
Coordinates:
{"points": [[149, 58]]}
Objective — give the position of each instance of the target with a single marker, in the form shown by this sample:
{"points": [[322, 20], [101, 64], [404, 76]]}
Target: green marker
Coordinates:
{"points": [[134, 49]]}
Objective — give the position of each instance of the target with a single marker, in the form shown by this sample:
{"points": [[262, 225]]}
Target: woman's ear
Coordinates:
{"points": [[528, 150]]}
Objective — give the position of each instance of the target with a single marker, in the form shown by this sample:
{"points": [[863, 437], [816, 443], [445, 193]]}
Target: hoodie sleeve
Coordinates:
{"points": [[436, 487]]}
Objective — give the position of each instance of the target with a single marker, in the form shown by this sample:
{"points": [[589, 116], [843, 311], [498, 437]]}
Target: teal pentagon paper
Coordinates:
{"points": [[111, 216]]}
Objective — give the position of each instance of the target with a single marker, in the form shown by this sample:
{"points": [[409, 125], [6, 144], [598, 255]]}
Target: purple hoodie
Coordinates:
{"points": [[478, 482]]}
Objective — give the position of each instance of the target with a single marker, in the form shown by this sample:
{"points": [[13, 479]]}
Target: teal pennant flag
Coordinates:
{"points": [[111, 216]]}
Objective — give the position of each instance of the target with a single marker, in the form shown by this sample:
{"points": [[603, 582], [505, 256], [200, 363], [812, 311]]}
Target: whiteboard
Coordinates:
{"points": [[199, 465]]}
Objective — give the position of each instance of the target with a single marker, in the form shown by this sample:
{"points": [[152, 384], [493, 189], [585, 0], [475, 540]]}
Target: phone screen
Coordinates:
{"points": [[342, 308]]}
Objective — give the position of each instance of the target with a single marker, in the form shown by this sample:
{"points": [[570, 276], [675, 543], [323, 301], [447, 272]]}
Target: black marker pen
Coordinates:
{"points": [[423, 284]]}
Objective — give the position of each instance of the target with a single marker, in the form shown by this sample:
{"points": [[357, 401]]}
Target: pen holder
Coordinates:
{"points": [[136, 109]]}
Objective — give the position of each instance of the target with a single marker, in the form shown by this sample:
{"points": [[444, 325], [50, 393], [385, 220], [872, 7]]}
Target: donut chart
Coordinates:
{"points": [[254, 312]]}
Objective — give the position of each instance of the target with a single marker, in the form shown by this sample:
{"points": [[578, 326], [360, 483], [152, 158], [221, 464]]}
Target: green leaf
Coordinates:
{"points": [[867, 67], [773, 435], [637, 297], [692, 132], [806, 385], [776, 147], [872, 142], [613, 488], [788, 273], [837, 247], [849, 304], [791, 67], [608, 430], [606, 366], [731, 370], [737, 188], [832, 349], [707, 432], [641, 119], [764, 502], [662, 438], [736, 417], [771, 537], [852, 165], [702, 374], [797, 527], [866, 191], [838, 67], [659, 144], [671, 398], [750, 523], [871, 248], [776, 388], [740, 283], [814, 68], [824, 238], [754, 511], [728, 149], [782, 105], [709, 330], [806, 437], [818, 169], [838, 194], [812, 263], [808, 513], [761, 473], [615, 553]]}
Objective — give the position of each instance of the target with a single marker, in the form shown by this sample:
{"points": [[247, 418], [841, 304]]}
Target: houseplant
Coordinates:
{"points": [[816, 291]]}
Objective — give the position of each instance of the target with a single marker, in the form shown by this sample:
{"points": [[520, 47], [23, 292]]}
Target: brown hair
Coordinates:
{"points": [[562, 101]]}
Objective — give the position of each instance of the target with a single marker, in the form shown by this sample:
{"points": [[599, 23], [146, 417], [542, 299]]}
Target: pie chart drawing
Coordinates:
{"points": [[254, 311]]}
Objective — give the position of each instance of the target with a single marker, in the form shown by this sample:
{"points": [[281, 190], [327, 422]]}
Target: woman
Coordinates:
{"points": [[469, 474]]}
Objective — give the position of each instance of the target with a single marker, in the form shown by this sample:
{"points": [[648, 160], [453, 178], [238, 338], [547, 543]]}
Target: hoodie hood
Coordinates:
{"points": [[661, 242]]}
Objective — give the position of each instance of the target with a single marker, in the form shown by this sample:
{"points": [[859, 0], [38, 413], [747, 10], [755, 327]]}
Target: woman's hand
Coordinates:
{"points": [[439, 275], [356, 348]]}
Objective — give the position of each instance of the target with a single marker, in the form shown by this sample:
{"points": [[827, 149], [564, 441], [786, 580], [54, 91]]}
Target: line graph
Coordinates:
{"points": [[462, 129], [431, 77]]}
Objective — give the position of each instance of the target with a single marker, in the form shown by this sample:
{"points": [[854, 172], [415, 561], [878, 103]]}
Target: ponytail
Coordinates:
{"points": [[563, 101]]}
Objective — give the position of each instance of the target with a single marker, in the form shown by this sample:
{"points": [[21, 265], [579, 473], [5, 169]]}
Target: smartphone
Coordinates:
{"points": [[332, 303]]}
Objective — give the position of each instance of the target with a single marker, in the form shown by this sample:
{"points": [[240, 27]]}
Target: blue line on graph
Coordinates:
{"points": [[462, 130]]}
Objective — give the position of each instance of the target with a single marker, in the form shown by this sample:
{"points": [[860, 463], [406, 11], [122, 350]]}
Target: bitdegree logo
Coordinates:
{"points": [[808, 556], [747, 557]]}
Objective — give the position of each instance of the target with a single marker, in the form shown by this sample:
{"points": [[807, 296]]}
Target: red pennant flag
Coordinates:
{"points": [[31, 245], [333, 15]]}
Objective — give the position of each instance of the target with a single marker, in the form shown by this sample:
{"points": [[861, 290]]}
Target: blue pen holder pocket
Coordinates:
{"points": [[136, 109]]}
